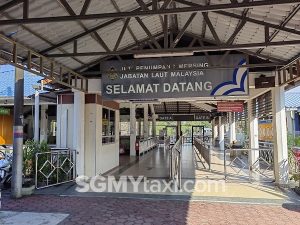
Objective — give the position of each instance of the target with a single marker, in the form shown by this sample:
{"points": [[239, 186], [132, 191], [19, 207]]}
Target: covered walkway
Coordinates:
{"points": [[205, 184], [107, 61]]}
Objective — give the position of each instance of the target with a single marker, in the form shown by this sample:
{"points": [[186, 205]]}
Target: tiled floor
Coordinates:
{"points": [[155, 165]]}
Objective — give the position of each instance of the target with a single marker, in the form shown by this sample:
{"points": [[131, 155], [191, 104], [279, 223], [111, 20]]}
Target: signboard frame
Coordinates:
{"points": [[174, 77]]}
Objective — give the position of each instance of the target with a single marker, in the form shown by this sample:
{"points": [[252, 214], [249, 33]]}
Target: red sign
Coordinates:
{"points": [[230, 106]]}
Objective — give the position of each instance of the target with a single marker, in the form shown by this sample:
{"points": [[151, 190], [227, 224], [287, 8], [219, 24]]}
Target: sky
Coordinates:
{"points": [[7, 77]]}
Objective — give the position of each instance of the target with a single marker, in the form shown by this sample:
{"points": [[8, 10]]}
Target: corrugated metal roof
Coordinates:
{"points": [[292, 100], [224, 25]]}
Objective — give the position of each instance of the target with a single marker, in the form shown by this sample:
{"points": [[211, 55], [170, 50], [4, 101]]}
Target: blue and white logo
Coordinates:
{"points": [[238, 85]]}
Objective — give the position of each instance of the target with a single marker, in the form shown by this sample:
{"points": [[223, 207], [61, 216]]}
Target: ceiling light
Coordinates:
{"points": [[162, 54]]}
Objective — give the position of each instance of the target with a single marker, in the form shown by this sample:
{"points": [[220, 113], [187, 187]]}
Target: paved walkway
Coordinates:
{"points": [[240, 203], [120, 211], [30, 218]]}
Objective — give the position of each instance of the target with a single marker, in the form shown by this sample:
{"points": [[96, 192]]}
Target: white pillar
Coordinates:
{"points": [[117, 121], [140, 127], [132, 129], [78, 130], [146, 121], [221, 134], [58, 123], [215, 131], [281, 169], [153, 117], [44, 123], [227, 124], [290, 120], [253, 135], [232, 132], [154, 126], [36, 116]]}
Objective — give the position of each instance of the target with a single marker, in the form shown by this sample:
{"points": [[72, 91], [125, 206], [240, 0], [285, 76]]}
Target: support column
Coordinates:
{"points": [[140, 127], [17, 166], [281, 169], [44, 123], [78, 130], [227, 124], [221, 134], [215, 131], [232, 132], [253, 135], [132, 129], [154, 126], [178, 130], [36, 116], [146, 121], [153, 116]]}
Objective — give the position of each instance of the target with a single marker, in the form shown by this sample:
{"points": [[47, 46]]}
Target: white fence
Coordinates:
{"points": [[147, 145]]}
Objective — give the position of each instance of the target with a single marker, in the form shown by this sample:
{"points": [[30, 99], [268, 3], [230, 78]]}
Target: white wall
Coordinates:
{"points": [[108, 156], [64, 138], [98, 158], [91, 142], [94, 86]]}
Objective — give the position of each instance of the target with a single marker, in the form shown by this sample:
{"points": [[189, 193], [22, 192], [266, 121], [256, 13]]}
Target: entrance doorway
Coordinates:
{"points": [[198, 132], [172, 132]]}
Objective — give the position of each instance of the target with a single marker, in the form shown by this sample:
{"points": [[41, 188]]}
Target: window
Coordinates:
{"points": [[108, 126]]}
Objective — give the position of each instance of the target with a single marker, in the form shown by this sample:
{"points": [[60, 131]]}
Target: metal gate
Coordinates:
{"points": [[55, 167], [237, 165]]}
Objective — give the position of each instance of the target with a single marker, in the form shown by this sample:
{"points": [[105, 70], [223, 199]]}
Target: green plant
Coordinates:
{"points": [[30, 149], [293, 142], [29, 153]]}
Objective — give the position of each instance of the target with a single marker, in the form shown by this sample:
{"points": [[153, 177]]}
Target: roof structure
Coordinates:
{"points": [[79, 34], [182, 108], [292, 100]]}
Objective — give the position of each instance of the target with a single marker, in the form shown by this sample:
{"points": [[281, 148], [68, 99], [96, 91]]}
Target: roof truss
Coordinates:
{"points": [[167, 12], [139, 13]]}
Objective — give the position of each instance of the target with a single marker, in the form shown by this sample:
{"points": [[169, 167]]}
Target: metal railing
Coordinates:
{"points": [[175, 163], [55, 167], [237, 164], [203, 151], [13, 53], [205, 138], [146, 145]]}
